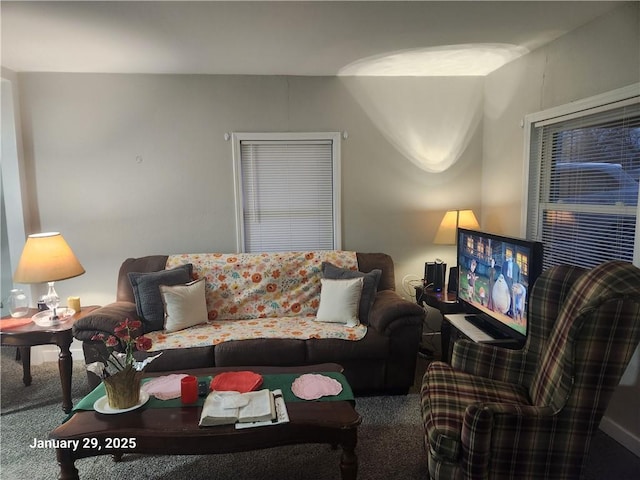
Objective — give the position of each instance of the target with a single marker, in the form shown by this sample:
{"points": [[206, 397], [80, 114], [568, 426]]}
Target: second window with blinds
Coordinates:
{"points": [[584, 170], [287, 189]]}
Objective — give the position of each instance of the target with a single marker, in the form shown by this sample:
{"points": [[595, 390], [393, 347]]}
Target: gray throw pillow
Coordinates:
{"points": [[369, 288], [146, 290]]}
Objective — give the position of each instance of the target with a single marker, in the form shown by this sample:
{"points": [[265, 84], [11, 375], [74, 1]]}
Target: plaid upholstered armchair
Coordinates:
{"points": [[530, 413]]}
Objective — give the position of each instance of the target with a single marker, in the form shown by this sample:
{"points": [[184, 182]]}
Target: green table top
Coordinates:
{"points": [[282, 381]]}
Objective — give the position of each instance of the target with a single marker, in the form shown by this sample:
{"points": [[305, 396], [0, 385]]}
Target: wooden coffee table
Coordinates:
{"points": [[175, 431]]}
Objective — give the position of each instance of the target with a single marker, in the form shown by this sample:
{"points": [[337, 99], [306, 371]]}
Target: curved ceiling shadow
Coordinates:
{"points": [[429, 120]]}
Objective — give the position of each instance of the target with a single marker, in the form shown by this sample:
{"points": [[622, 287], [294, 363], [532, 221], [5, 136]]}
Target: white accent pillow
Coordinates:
{"points": [[339, 301], [184, 305]]}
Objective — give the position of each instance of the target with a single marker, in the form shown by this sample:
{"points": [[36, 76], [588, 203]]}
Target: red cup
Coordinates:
{"points": [[189, 389]]}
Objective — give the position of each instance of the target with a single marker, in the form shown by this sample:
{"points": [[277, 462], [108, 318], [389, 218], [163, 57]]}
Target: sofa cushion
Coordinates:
{"points": [[339, 301], [369, 288], [146, 290], [178, 359], [372, 346], [184, 305], [260, 351], [216, 332]]}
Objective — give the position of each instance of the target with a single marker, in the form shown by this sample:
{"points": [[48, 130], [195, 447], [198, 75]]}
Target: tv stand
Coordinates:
{"points": [[460, 327], [493, 332]]}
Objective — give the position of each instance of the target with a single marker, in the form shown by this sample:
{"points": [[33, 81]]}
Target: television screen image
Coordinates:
{"points": [[495, 274]]}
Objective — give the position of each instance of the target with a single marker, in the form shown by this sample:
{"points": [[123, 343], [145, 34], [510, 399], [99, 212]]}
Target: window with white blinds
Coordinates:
{"points": [[287, 191], [583, 183]]}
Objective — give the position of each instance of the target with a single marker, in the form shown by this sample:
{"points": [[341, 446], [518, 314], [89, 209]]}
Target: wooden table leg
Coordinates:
{"points": [[349, 459], [68, 470], [65, 365], [25, 356]]}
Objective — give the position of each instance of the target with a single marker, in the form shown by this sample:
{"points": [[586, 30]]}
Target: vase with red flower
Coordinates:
{"points": [[121, 374]]}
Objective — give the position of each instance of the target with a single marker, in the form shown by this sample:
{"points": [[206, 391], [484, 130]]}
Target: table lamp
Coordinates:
{"points": [[47, 257], [447, 235], [448, 229]]}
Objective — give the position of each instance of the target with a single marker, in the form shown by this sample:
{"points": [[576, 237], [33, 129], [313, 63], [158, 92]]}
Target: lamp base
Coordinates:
{"points": [[45, 318]]}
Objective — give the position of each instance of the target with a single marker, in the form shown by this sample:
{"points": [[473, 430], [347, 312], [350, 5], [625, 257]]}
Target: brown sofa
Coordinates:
{"points": [[383, 361]]}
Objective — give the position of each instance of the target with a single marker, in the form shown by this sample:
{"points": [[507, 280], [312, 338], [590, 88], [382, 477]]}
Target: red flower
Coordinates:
{"points": [[295, 308], [124, 329], [256, 277], [122, 333], [271, 287], [135, 324], [125, 339], [143, 343]]}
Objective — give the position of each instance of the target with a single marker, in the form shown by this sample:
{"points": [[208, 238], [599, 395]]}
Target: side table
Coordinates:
{"points": [[446, 302], [26, 336]]}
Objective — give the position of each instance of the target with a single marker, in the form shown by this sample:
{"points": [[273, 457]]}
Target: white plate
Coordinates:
{"points": [[102, 405], [43, 319]]}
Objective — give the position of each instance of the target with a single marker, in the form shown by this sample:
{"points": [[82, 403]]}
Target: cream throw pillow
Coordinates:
{"points": [[339, 301], [184, 305]]}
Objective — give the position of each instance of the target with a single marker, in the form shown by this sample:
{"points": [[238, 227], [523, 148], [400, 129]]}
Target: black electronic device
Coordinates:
{"points": [[452, 286], [495, 276], [429, 274], [203, 389], [440, 272]]}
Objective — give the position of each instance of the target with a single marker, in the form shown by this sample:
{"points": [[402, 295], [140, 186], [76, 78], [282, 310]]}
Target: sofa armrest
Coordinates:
{"points": [[390, 311], [104, 320], [490, 361]]}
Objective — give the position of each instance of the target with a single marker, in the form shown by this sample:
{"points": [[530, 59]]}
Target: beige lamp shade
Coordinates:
{"points": [[46, 257], [446, 234]]}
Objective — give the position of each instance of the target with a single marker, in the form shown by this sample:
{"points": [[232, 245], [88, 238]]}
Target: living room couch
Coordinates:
{"points": [[264, 309]]}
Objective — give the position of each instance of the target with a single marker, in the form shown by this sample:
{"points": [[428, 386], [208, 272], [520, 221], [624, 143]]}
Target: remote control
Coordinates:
{"points": [[203, 389]]}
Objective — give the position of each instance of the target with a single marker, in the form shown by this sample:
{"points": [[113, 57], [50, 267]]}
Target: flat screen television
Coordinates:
{"points": [[495, 274]]}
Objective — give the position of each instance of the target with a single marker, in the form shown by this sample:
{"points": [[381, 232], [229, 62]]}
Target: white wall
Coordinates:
{"points": [[131, 165], [599, 57]]}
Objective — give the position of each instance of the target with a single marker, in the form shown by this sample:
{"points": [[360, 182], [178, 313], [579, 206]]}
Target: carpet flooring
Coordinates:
{"points": [[390, 441]]}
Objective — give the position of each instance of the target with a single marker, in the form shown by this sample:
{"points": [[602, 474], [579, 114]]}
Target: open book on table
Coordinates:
{"points": [[221, 408]]}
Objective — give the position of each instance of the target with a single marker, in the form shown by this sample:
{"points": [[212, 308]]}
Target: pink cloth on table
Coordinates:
{"points": [[166, 387], [312, 386], [9, 323]]}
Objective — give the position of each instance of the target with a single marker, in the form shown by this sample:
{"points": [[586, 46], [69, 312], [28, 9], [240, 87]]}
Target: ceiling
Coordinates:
{"points": [[282, 38]]}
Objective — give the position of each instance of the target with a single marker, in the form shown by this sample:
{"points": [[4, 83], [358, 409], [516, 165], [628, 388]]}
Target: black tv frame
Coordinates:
{"points": [[485, 318]]}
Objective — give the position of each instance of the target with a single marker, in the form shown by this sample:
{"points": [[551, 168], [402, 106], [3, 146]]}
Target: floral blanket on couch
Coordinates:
{"points": [[260, 295]]}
